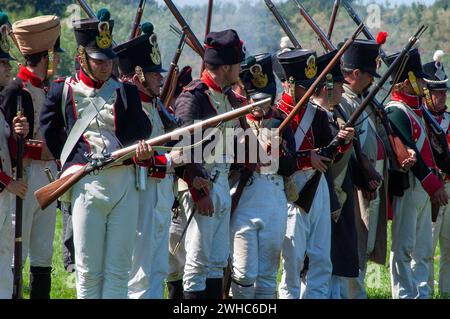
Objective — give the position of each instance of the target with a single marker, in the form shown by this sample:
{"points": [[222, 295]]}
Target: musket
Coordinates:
{"points": [[171, 78], [208, 24], [283, 24], [137, 20], [185, 26], [397, 146], [336, 5], [49, 193], [331, 150], [178, 33], [352, 13], [209, 17], [322, 37], [17, 283]]}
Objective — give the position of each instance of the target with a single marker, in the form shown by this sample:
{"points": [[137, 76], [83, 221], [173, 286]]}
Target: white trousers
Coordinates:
{"points": [[38, 226], [150, 263], [207, 239], [441, 233], [307, 234], [177, 259], [6, 244], [411, 243], [104, 217], [257, 231]]}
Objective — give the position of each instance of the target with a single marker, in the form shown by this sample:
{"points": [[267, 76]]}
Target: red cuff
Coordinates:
{"points": [[158, 166], [33, 152], [344, 148], [431, 183], [5, 179], [144, 163]]}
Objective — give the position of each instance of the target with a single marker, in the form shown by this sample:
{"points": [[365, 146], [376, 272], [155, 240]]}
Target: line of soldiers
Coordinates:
{"points": [[128, 244]]}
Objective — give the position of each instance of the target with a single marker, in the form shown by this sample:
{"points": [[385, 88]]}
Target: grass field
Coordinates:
{"points": [[63, 283]]}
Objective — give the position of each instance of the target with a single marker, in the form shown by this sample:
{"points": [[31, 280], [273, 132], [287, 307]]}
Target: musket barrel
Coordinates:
{"points": [[49, 193], [283, 24], [182, 22]]}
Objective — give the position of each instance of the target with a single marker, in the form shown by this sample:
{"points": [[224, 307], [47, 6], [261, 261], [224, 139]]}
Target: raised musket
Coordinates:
{"points": [[305, 197], [49, 193], [170, 81], [17, 282], [336, 5], [398, 147], [185, 26], [137, 20], [178, 33], [305, 98], [283, 23], [208, 24]]}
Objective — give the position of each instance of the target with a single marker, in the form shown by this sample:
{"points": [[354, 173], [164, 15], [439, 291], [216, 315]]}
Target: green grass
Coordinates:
{"points": [[63, 283]]}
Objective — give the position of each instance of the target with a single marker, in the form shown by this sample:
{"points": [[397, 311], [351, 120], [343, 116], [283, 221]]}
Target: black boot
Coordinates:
{"points": [[195, 295], [214, 288], [40, 282], [175, 289]]}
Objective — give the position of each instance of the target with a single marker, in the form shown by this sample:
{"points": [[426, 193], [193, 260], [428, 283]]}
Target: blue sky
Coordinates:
{"points": [[393, 2]]}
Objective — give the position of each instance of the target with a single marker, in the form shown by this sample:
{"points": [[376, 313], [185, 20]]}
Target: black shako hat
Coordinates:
{"points": [[413, 64], [257, 76], [96, 35], [300, 65], [223, 48], [142, 51], [336, 71], [363, 55], [436, 77]]}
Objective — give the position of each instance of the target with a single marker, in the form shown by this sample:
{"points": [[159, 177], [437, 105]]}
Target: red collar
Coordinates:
{"points": [[88, 81], [145, 98], [286, 103], [28, 76], [410, 100], [209, 81]]}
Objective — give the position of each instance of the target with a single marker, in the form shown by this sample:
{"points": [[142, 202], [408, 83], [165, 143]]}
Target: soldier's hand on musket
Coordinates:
{"points": [[347, 134], [20, 125], [205, 206], [410, 161], [319, 162], [440, 197], [18, 188], [143, 151]]}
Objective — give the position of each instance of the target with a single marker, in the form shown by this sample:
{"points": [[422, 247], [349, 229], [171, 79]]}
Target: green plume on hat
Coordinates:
{"points": [[147, 28], [103, 14], [3, 18], [250, 61]]}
